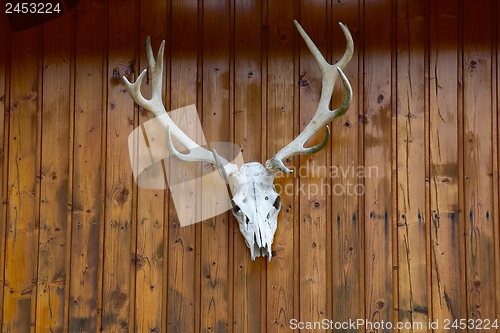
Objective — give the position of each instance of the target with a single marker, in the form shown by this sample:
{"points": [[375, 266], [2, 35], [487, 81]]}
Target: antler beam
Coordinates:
{"points": [[155, 106], [323, 113]]}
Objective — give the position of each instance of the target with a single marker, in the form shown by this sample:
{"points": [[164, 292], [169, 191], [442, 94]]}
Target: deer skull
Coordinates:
{"points": [[256, 203]]}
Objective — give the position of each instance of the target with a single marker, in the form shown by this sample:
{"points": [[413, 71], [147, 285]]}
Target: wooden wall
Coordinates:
{"points": [[83, 249]]}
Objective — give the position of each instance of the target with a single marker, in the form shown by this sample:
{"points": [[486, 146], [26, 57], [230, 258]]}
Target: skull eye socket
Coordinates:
{"points": [[236, 209], [238, 213], [277, 203]]}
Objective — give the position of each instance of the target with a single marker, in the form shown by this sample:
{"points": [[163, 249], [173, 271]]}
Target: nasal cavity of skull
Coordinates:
{"points": [[237, 211], [277, 203], [261, 239]]}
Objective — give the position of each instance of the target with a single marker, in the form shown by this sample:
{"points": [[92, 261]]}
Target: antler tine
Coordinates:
{"points": [[323, 113], [155, 106], [196, 154], [156, 69]]}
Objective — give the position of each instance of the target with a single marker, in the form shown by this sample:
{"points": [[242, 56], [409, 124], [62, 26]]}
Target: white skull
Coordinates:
{"points": [[256, 205]]}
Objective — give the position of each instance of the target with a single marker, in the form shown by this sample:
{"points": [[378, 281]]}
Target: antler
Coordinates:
{"points": [[323, 113], [155, 106]]}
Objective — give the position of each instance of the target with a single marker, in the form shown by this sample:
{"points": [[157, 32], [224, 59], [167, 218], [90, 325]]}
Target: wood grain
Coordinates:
{"points": [[150, 248], [184, 243], [4, 144], [216, 306], [478, 160], [447, 261], [346, 256], [311, 172], [248, 120], [496, 164], [54, 176], [120, 225], [378, 131], [282, 110], [88, 147]]}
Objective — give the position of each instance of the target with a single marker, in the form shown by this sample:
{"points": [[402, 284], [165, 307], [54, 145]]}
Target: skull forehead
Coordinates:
{"points": [[254, 169], [252, 181]]}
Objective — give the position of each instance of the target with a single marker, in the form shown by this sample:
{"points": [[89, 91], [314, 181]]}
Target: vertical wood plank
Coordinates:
{"points": [[23, 187], [264, 153], [55, 189], [149, 254], [445, 173], [346, 255], [478, 159], [216, 127], [282, 274], [247, 122], [119, 241], [4, 148], [314, 184], [183, 246], [87, 206], [377, 158], [411, 153]]}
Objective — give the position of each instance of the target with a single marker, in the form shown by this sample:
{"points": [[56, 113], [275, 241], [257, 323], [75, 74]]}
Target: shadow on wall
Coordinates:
{"points": [[25, 15]]}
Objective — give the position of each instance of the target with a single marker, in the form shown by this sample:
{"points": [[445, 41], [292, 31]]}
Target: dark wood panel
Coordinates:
{"points": [[22, 224], [216, 306], [496, 159], [347, 269], [378, 131], [248, 120], [87, 208], [184, 243], [447, 256], [413, 270], [313, 181], [55, 176], [478, 158], [119, 223], [4, 143], [150, 281], [282, 273]]}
